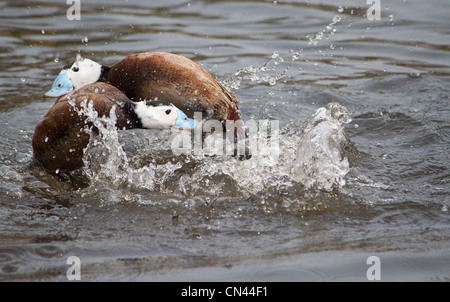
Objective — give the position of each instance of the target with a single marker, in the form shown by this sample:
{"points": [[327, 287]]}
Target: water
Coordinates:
{"points": [[146, 215]]}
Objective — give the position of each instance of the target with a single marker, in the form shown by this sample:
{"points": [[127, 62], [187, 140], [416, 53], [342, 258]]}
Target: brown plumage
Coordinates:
{"points": [[59, 139], [176, 79]]}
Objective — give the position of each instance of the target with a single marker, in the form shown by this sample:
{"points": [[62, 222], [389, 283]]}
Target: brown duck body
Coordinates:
{"points": [[59, 139], [184, 83]]}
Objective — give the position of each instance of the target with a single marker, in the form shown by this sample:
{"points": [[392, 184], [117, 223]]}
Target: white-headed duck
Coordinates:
{"points": [[150, 75]]}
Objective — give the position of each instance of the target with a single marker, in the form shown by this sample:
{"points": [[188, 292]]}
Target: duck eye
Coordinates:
{"points": [[168, 111], [75, 69]]}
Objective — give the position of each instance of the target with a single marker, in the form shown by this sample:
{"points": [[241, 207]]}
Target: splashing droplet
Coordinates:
{"points": [[414, 74]]}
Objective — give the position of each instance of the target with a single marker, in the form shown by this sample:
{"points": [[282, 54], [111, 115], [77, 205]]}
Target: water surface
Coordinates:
{"points": [[170, 218]]}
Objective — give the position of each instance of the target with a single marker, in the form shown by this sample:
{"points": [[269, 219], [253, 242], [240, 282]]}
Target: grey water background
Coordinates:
{"points": [[392, 74]]}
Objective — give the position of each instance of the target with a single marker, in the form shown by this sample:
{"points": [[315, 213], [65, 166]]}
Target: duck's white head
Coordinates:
{"points": [[75, 75], [159, 114]]}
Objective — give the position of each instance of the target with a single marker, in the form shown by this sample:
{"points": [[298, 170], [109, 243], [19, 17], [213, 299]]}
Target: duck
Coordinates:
{"points": [[150, 75], [59, 138]]}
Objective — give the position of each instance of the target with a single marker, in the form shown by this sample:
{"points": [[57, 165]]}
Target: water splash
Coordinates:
{"points": [[321, 161], [266, 73], [313, 156], [269, 72], [326, 33], [105, 161]]}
